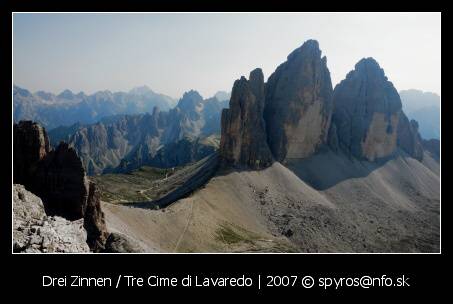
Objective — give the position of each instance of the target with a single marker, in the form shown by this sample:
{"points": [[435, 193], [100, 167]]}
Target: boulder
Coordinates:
{"points": [[120, 243]]}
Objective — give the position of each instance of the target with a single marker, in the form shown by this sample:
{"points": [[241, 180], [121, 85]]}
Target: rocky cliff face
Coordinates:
{"points": [[362, 116], [34, 231], [298, 104], [61, 183], [409, 138], [131, 141], [288, 117], [367, 112], [31, 146], [243, 138], [58, 178]]}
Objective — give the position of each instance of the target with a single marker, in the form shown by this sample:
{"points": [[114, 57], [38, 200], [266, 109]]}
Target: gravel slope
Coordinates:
{"points": [[327, 203]]}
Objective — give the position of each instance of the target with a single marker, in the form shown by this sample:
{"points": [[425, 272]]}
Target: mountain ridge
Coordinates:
{"points": [[125, 142]]}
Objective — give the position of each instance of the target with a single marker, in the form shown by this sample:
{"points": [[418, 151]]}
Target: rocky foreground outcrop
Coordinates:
{"points": [[243, 138], [58, 178], [34, 231]]}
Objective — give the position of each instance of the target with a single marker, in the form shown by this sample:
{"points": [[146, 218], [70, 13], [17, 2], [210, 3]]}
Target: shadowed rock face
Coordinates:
{"points": [[61, 183], [94, 221], [58, 178], [243, 138], [367, 112], [298, 104], [286, 118], [408, 137], [362, 116], [30, 146]]}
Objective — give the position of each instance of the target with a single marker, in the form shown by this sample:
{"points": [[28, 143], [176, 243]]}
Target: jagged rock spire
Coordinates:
{"points": [[243, 139]]}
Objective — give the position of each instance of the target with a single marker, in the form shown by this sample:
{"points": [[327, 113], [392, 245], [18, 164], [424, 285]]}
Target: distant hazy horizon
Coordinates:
{"points": [[173, 53]]}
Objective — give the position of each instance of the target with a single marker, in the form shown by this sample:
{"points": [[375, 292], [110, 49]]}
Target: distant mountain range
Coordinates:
{"points": [[119, 143], [67, 108], [424, 107]]}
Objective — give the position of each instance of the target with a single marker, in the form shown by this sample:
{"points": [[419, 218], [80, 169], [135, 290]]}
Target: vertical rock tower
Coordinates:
{"points": [[58, 178], [296, 112], [288, 117], [367, 112], [298, 104], [243, 138]]}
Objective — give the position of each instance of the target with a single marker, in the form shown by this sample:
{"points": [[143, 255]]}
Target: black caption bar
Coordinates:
{"points": [[243, 281]]}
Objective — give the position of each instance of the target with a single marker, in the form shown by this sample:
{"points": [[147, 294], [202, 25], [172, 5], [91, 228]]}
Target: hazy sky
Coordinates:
{"points": [[173, 53]]}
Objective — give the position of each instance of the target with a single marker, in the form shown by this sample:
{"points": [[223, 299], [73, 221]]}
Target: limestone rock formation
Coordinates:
{"points": [[408, 137], [30, 146], [58, 178], [94, 220], [34, 231], [367, 112], [243, 139], [61, 183], [298, 104], [126, 142]]}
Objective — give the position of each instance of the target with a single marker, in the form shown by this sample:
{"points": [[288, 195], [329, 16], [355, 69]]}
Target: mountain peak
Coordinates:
{"points": [[192, 94], [298, 104], [367, 112], [243, 138], [287, 119], [20, 91], [45, 95], [66, 94], [256, 75], [308, 48], [190, 100], [369, 65], [141, 90]]}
